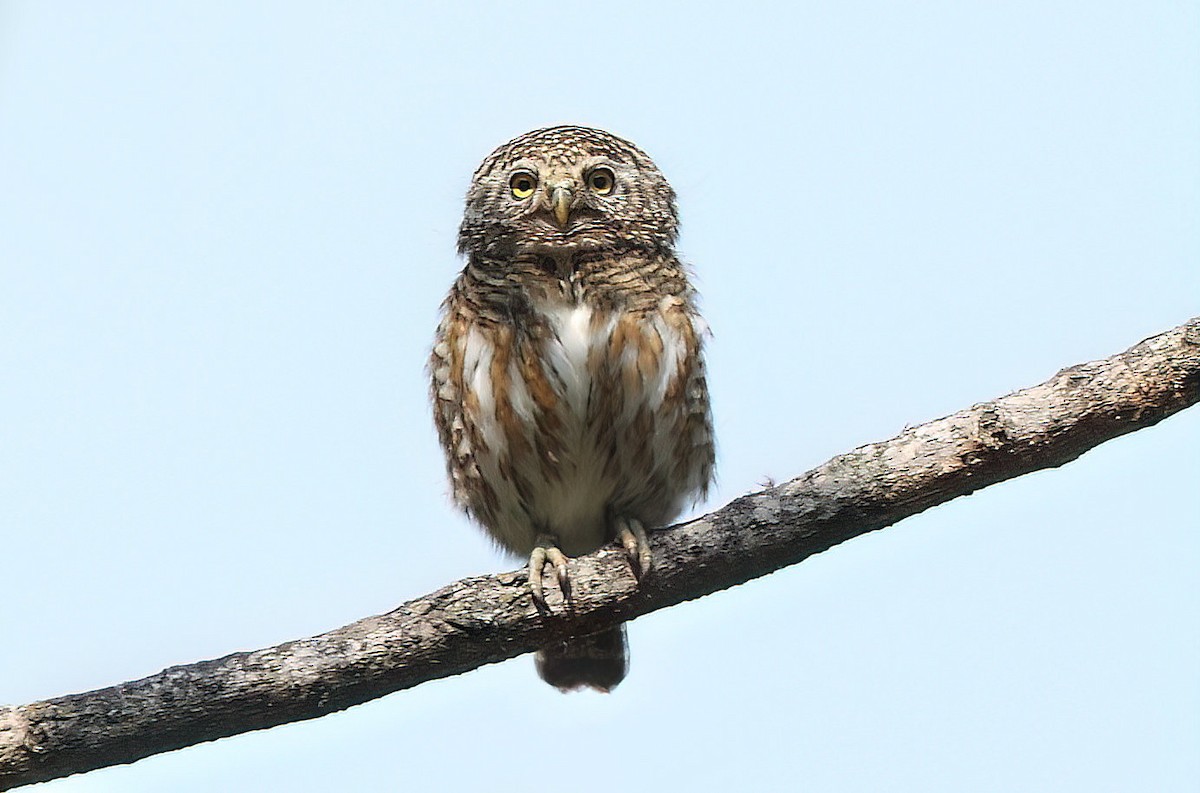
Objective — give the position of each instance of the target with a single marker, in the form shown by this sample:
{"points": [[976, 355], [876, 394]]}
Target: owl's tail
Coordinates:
{"points": [[598, 661]]}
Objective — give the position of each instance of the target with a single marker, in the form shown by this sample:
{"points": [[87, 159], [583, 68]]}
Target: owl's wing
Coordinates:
{"points": [[448, 393], [697, 454]]}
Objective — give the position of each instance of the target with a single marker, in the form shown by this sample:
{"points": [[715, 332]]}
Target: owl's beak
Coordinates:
{"points": [[560, 203]]}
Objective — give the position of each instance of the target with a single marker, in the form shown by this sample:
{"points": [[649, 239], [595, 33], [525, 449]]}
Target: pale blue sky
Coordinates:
{"points": [[225, 229]]}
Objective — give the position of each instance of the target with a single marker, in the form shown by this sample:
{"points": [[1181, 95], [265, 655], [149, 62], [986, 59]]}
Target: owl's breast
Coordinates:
{"points": [[584, 414]]}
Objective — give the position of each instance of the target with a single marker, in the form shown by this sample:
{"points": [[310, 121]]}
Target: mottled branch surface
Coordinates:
{"points": [[487, 619]]}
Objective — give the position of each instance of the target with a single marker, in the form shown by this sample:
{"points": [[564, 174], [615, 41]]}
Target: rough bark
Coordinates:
{"points": [[487, 619]]}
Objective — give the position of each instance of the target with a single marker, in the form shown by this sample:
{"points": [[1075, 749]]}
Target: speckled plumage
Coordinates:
{"points": [[567, 371]]}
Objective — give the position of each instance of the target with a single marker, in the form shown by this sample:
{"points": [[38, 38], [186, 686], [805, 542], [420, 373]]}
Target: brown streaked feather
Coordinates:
{"points": [[650, 350], [536, 382], [512, 428]]}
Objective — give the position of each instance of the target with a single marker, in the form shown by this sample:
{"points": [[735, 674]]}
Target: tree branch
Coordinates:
{"points": [[488, 619]]}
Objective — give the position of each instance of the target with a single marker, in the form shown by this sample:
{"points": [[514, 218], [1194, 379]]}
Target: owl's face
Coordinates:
{"points": [[566, 190]]}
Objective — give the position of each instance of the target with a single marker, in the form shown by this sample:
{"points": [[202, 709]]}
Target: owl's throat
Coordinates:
{"points": [[560, 265], [563, 269]]}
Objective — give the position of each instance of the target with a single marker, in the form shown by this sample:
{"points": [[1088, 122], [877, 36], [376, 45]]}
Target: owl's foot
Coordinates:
{"points": [[547, 551], [632, 534]]}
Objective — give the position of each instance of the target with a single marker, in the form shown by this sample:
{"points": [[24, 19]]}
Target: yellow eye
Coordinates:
{"points": [[601, 180], [522, 184]]}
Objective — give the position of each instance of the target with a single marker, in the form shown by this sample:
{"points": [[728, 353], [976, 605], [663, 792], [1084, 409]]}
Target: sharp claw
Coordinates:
{"points": [[632, 535], [629, 541], [544, 552], [537, 560], [560, 567]]}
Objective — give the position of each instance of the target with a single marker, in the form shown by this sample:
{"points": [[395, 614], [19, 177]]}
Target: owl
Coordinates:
{"points": [[568, 381]]}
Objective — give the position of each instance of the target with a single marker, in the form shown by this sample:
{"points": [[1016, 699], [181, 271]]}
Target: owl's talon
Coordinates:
{"points": [[564, 579], [547, 551], [632, 534]]}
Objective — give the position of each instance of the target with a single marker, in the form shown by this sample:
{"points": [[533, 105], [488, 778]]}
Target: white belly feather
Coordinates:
{"points": [[572, 497]]}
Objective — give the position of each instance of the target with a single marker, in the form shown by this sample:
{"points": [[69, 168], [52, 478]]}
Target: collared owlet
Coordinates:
{"points": [[568, 379]]}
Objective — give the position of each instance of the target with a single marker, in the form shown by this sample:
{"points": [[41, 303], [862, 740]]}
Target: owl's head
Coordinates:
{"points": [[565, 190]]}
